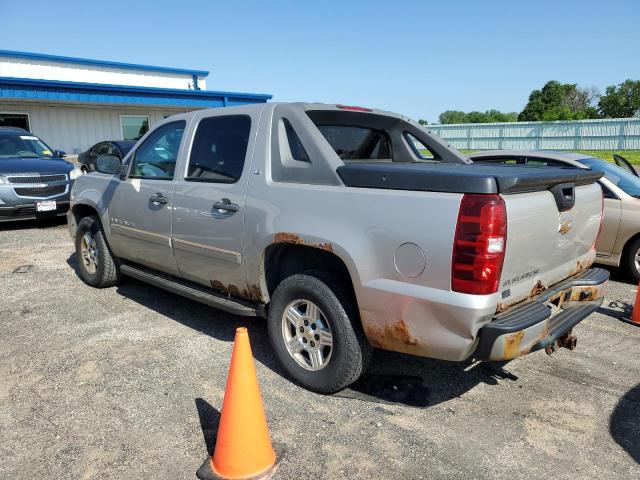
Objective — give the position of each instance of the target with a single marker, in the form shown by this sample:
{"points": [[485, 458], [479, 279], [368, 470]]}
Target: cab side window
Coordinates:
{"points": [[219, 149], [419, 148], [156, 157]]}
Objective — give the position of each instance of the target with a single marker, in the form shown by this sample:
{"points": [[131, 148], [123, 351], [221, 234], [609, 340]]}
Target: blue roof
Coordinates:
{"points": [[56, 91], [102, 63]]}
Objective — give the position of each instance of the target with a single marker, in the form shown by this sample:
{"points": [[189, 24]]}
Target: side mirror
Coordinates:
{"points": [[109, 164], [59, 153]]}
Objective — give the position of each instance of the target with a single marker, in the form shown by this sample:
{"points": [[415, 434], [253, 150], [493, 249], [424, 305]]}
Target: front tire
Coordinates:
{"points": [[96, 264], [631, 260], [314, 330]]}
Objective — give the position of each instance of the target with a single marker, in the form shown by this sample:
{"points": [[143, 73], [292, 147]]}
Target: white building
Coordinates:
{"points": [[74, 103]]}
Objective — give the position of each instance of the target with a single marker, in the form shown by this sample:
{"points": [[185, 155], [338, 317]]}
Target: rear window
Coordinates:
{"points": [[357, 143]]}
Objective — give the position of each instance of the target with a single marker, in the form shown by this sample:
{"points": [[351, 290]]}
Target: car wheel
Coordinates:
{"points": [[631, 260], [96, 264], [315, 332]]}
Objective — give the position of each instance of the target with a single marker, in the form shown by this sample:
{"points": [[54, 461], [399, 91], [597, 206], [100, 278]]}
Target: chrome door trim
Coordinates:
{"points": [[140, 234], [216, 252]]}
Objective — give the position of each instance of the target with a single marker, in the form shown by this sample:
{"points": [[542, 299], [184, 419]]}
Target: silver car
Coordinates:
{"points": [[333, 223]]}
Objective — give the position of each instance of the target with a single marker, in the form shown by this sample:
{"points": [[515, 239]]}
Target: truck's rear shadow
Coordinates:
{"points": [[624, 424], [391, 377]]}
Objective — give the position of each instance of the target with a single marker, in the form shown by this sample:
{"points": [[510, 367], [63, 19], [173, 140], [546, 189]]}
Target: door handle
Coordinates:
{"points": [[158, 199], [225, 204]]}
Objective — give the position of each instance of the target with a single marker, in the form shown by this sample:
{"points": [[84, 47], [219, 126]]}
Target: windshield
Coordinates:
{"points": [[12, 146], [622, 179]]}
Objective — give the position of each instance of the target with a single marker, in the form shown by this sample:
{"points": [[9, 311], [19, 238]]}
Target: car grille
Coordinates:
{"points": [[41, 192], [37, 179], [38, 186]]}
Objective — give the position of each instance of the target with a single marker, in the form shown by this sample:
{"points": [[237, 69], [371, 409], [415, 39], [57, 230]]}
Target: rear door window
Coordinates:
{"points": [[219, 149], [357, 143]]}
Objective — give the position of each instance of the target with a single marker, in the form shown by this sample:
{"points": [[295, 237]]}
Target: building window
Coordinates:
{"points": [[20, 120], [134, 126]]}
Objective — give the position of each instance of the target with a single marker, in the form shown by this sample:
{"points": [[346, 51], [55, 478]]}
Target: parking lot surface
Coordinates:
{"points": [[127, 382]]}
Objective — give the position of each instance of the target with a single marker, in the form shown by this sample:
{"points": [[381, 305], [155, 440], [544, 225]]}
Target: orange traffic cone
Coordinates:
{"points": [[635, 314], [243, 446]]}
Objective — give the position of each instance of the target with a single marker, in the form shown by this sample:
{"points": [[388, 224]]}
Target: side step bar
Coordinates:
{"points": [[194, 292]]}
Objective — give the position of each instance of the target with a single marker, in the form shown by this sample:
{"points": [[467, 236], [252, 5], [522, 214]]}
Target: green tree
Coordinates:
{"points": [[423, 122], [453, 116], [490, 116], [559, 101], [622, 101]]}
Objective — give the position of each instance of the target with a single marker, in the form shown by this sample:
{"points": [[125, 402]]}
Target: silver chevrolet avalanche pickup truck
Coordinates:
{"points": [[347, 228]]}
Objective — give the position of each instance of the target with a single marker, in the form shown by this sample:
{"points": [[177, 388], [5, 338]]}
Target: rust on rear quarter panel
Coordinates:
{"points": [[327, 247], [390, 335], [286, 237]]}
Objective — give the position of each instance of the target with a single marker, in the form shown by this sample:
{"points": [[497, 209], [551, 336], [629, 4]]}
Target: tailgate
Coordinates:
{"points": [[546, 245]]}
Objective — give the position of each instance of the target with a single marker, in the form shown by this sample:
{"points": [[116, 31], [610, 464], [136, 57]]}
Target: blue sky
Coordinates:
{"points": [[413, 57]]}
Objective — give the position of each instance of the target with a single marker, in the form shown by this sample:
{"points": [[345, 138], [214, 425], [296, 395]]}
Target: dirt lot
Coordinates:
{"points": [[127, 382]]}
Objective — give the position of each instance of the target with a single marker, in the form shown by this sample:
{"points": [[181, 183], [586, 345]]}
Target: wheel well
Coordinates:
{"points": [[80, 211], [282, 260]]}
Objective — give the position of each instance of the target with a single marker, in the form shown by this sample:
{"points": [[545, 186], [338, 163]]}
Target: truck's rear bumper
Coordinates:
{"points": [[539, 323]]}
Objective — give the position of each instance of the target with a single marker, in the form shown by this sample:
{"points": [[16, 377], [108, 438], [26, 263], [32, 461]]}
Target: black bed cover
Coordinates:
{"points": [[462, 178]]}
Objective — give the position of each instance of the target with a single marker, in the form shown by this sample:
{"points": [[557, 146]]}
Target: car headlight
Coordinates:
{"points": [[75, 173]]}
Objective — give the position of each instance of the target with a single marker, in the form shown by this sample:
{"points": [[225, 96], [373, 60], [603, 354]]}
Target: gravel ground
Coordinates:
{"points": [[127, 382]]}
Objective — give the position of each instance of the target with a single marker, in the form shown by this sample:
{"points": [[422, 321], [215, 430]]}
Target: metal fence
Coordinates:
{"points": [[605, 134]]}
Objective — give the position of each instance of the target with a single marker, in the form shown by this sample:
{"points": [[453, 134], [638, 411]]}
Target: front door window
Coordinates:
{"points": [[156, 157]]}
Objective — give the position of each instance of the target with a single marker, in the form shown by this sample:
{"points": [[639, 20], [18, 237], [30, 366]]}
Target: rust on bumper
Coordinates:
{"points": [[545, 321]]}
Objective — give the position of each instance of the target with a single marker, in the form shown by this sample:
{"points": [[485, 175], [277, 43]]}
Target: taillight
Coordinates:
{"points": [[479, 244]]}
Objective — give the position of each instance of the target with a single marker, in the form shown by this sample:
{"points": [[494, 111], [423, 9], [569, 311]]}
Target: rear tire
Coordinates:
{"points": [[631, 260], [335, 333], [97, 266]]}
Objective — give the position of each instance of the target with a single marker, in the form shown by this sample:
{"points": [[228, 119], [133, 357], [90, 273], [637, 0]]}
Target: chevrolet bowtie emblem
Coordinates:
{"points": [[565, 226]]}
